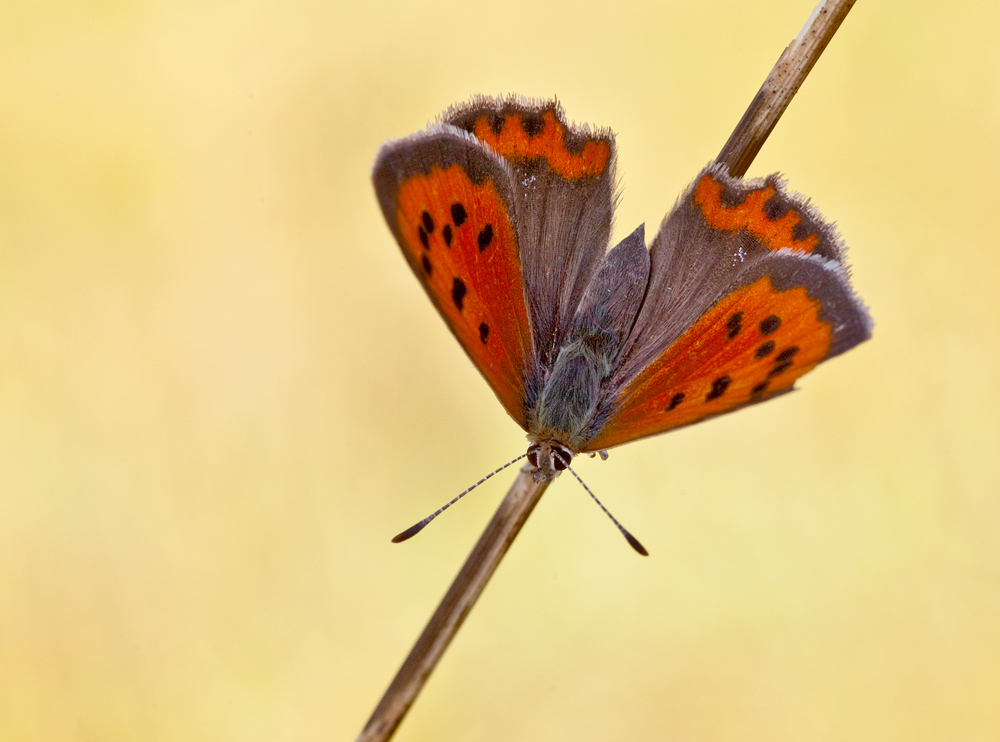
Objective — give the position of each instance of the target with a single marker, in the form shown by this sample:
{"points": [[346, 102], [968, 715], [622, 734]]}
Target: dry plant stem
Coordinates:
{"points": [[781, 85], [457, 602], [746, 140]]}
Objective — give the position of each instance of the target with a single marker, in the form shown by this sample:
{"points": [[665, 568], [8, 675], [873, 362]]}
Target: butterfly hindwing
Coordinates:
{"points": [[564, 183], [712, 234], [747, 293], [451, 207], [766, 211]]}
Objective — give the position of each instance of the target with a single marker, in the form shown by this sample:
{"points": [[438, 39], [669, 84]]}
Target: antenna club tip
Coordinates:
{"points": [[634, 543], [408, 533]]}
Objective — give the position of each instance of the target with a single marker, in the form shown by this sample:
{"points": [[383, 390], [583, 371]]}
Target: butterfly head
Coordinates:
{"points": [[548, 459]]}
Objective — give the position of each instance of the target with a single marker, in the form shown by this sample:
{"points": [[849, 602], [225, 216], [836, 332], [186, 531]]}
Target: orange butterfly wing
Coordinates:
{"points": [[448, 202], [520, 132], [784, 306], [564, 181], [754, 343]]}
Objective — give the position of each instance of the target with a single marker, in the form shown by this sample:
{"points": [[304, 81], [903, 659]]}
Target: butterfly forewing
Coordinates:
{"points": [[781, 317], [449, 204]]}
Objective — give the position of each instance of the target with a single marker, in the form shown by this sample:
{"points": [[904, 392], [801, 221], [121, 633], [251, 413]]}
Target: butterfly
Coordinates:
{"points": [[504, 211]]}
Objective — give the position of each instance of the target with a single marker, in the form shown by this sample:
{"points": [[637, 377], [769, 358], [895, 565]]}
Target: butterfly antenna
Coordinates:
{"points": [[418, 527], [632, 540]]}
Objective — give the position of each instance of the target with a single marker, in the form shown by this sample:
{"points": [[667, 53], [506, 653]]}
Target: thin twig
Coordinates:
{"points": [[744, 143], [457, 602], [781, 85]]}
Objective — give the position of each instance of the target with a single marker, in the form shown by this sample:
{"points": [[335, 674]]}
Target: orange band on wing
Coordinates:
{"points": [[751, 215], [754, 342], [513, 141]]}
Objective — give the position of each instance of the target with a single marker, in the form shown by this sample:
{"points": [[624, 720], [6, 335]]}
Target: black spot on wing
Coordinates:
{"points": [[485, 237], [780, 369], [786, 354], [533, 124], [734, 324], [770, 324], [731, 196], [801, 231], [764, 350], [775, 209], [458, 292], [719, 387]]}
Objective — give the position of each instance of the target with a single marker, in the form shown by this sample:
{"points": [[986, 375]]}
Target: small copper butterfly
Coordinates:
{"points": [[504, 212]]}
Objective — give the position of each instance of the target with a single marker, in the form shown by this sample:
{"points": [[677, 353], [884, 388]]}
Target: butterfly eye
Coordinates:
{"points": [[533, 456], [560, 458]]}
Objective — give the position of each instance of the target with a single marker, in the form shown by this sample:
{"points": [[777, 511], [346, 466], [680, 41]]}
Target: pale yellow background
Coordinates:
{"points": [[222, 392]]}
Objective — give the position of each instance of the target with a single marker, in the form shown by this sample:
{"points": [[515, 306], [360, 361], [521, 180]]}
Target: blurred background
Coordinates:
{"points": [[222, 392]]}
